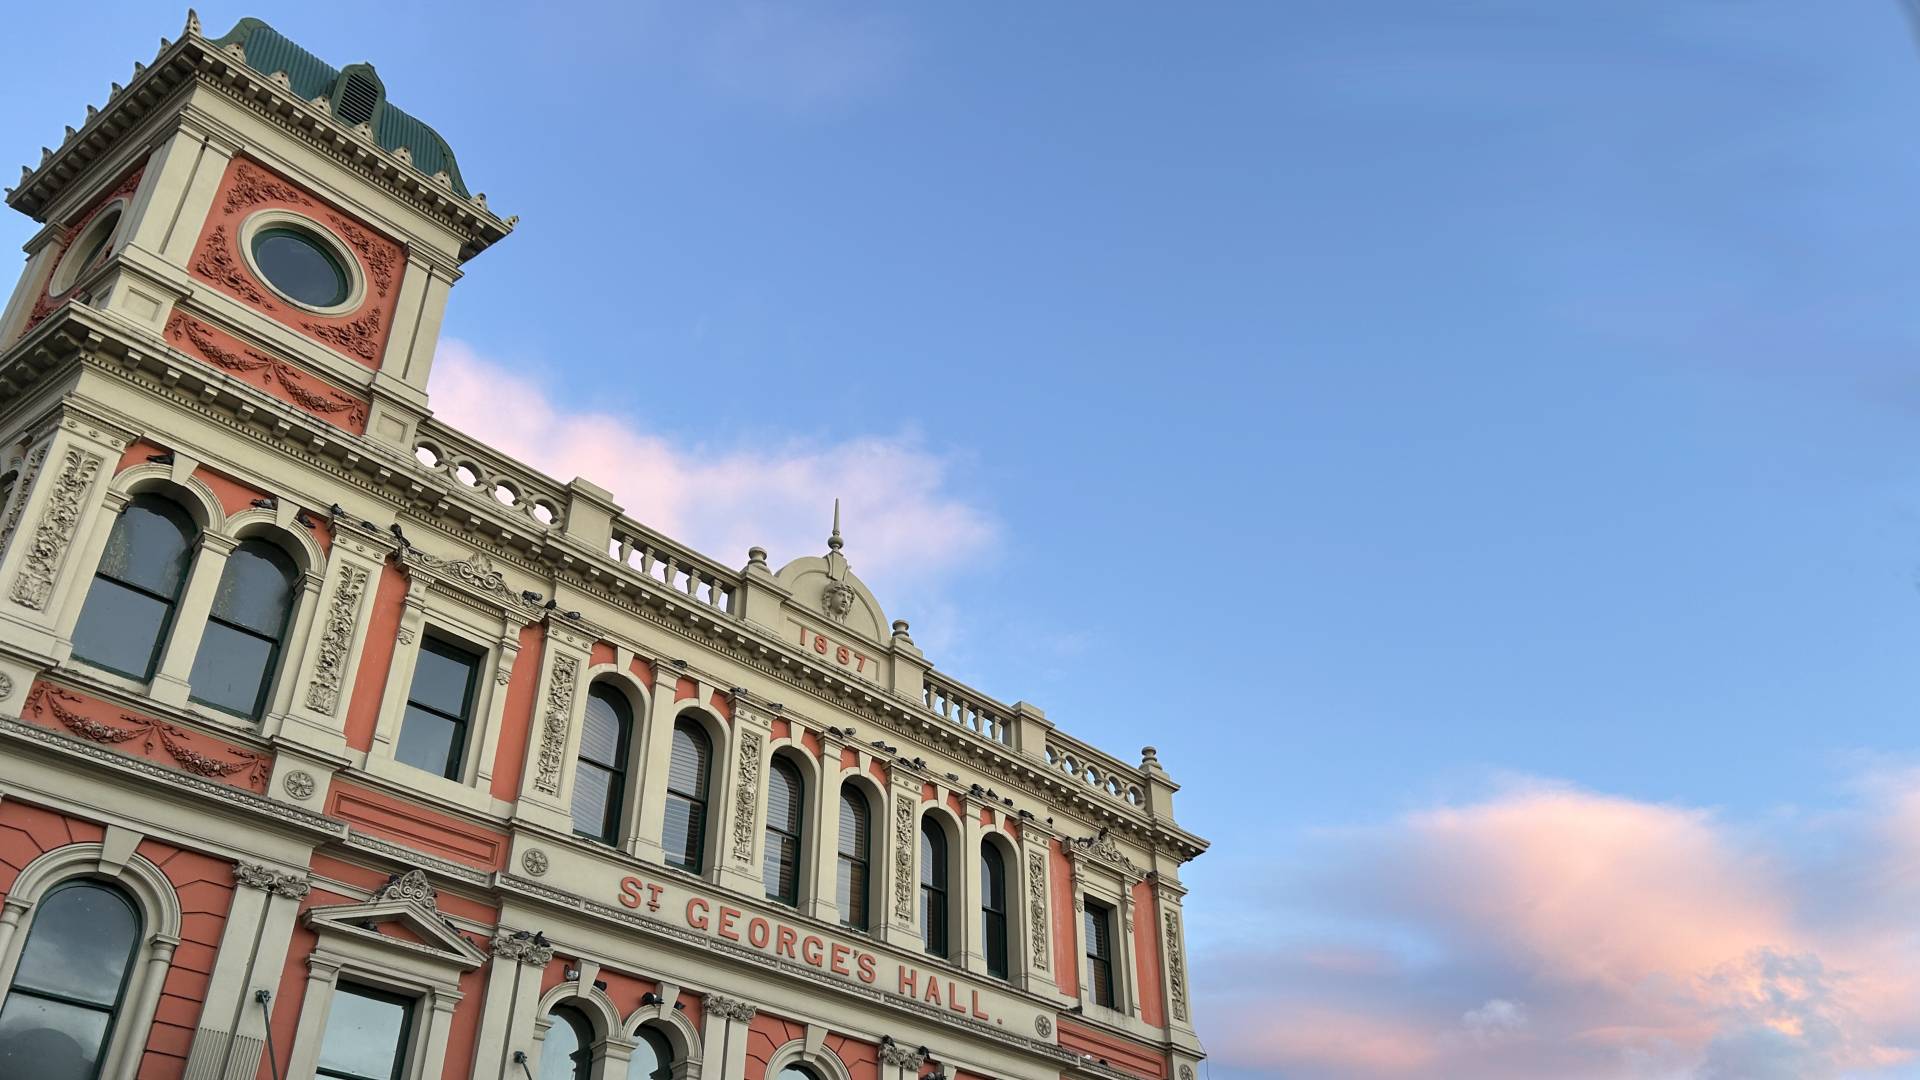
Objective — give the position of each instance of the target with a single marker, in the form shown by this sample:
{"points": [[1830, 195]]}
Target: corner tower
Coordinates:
{"points": [[244, 205]]}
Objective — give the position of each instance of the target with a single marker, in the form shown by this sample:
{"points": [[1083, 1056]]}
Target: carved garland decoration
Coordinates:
{"points": [[903, 858], [746, 796], [43, 700], [276, 372], [33, 586], [218, 264], [476, 571], [377, 254], [1037, 907], [330, 670], [553, 735], [358, 338], [253, 185], [1176, 967]]}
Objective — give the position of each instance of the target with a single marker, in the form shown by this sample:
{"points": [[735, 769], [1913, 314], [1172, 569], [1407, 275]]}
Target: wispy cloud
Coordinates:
{"points": [[908, 531], [1548, 931]]}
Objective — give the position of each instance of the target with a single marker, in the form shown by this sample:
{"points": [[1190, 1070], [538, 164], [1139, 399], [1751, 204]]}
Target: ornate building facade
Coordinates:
{"points": [[334, 743]]}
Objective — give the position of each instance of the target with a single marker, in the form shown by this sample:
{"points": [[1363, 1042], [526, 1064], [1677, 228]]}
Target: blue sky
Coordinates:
{"points": [[1418, 420]]}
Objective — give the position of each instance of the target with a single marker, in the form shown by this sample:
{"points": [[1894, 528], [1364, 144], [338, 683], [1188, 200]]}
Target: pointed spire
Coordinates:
{"points": [[834, 543], [193, 22]]}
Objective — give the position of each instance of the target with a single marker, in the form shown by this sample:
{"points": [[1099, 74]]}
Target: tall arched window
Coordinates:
{"points": [[136, 588], [798, 1072], [652, 1058], [567, 1051], [993, 908], [855, 856], [781, 869], [600, 779], [241, 647], [933, 885], [685, 836], [67, 988]]}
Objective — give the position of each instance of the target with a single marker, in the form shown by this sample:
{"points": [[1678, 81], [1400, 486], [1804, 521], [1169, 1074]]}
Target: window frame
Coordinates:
{"points": [[694, 859], [935, 899], [610, 813], [998, 967], [164, 633], [1096, 911], [114, 1012], [794, 838], [277, 644], [456, 766], [581, 1026], [401, 1049], [863, 860]]}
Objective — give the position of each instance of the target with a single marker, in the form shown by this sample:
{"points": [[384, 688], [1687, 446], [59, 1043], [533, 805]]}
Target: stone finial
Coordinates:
{"points": [[234, 50], [900, 631], [512, 220], [480, 199], [1150, 760], [193, 23], [834, 543], [68, 137], [757, 556], [281, 80], [443, 178], [321, 101], [91, 113]]}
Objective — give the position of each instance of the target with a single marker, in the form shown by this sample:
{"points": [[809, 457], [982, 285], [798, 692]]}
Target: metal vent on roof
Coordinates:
{"points": [[357, 98]]}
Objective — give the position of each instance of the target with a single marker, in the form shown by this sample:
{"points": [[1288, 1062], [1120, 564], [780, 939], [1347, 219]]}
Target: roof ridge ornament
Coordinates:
{"points": [[837, 597], [193, 24]]}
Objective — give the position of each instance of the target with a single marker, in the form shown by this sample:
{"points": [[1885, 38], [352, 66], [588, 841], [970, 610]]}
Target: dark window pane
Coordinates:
{"points": [[366, 1033], [652, 1059], [797, 1072], [567, 1051], [50, 1040], [684, 835], [592, 799], [300, 266], [443, 677], [120, 629], [232, 668], [933, 886], [993, 909], [256, 588], [1099, 935], [687, 771], [429, 741], [853, 858], [603, 736], [79, 944], [150, 546]]}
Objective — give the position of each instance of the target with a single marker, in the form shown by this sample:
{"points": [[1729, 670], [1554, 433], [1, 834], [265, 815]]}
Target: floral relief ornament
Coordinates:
{"points": [[535, 862], [275, 372], [746, 796], [553, 735], [336, 641], [299, 784], [33, 586], [6, 686]]}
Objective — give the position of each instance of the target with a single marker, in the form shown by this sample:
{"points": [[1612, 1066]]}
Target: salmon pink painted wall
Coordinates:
{"points": [[1066, 924], [510, 753], [370, 682], [1146, 957]]}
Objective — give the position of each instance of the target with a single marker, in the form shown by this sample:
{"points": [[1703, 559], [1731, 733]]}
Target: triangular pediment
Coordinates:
{"points": [[402, 924]]}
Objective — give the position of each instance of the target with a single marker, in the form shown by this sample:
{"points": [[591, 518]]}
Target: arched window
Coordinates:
{"points": [[68, 985], [600, 779], [137, 587], [652, 1058], [798, 1072], [241, 647], [855, 856], [993, 908], [933, 885], [685, 837], [781, 870], [567, 1051]]}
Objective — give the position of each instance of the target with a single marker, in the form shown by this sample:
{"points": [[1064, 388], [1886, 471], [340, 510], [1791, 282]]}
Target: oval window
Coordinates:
{"points": [[301, 266]]}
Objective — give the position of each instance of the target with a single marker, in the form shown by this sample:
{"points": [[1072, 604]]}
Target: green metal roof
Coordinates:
{"points": [[269, 51]]}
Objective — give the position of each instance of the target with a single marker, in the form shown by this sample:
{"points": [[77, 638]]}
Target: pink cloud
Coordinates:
{"points": [[1554, 932], [906, 530]]}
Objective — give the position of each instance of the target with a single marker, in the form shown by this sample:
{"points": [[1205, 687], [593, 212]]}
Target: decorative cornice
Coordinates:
{"points": [[255, 876]]}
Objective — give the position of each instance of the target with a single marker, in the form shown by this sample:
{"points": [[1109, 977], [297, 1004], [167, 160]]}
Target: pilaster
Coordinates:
{"points": [[324, 677], [652, 794], [512, 996], [170, 679], [553, 738], [740, 798], [48, 564], [253, 949], [724, 1038]]}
